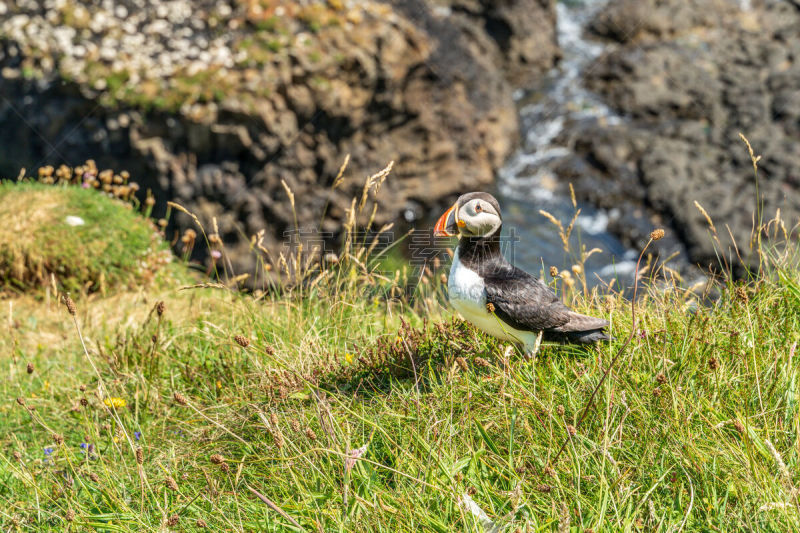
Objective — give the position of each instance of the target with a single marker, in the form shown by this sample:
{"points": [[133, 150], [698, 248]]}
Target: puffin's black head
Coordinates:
{"points": [[475, 214]]}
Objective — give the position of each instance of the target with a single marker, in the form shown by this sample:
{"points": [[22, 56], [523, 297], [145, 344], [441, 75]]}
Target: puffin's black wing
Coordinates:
{"points": [[524, 302]]}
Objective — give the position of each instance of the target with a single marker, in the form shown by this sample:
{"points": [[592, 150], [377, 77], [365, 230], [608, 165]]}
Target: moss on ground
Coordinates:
{"points": [[86, 240]]}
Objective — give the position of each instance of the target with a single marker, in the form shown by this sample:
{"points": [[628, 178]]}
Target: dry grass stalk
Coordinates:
{"points": [[376, 239], [372, 216], [563, 234], [707, 217], [203, 286], [275, 508], [340, 176], [776, 224], [553, 220], [289, 193], [220, 426], [753, 157], [234, 281], [374, 182], [182, 209], [786, 476], [564, 519]]}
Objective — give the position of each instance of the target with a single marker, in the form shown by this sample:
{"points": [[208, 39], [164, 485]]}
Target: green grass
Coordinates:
{"points": [[228, 411], [112, 246], [679, 434]]}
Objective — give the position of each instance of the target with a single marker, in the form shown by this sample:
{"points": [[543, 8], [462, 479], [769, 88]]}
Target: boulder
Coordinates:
{"points": [[686, 87]]}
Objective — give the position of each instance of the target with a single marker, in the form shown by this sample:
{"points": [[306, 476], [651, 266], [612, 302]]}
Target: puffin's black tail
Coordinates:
{"points": [[577, 337], [587, 337], [579, 329]]}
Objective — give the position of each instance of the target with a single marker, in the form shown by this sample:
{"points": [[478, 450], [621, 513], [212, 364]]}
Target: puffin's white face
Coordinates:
{"points": [[477, 218], [473, 215]]}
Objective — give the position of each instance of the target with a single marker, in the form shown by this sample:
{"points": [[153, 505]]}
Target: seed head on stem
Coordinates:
{"points": [[70, 304]]}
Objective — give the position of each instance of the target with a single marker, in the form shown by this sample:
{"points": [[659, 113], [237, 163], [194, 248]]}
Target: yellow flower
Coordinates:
{"points": [[398, 339], [348, 357], [115, 402], [46, 385], [219, 384]]}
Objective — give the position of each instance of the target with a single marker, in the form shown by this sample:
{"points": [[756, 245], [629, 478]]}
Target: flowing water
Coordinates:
{"points": [[528, 184]]}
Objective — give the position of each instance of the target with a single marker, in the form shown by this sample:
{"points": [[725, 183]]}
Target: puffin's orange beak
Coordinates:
{"points": [[447, 226]]}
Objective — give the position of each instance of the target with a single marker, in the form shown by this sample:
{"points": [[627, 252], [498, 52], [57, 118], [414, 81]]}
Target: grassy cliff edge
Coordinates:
{"points": [[345, 405]]}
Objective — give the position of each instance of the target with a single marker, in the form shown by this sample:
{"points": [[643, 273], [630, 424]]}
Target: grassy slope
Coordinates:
{"points": [[681, 434], [113, 245]]}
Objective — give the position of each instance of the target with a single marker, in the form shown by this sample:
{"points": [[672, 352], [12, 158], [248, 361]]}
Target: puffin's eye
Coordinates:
{"points": [[478, 208]]}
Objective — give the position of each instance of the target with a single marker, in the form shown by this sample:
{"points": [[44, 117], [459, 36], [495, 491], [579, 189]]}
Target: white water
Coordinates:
{"points": [[527, 182]]}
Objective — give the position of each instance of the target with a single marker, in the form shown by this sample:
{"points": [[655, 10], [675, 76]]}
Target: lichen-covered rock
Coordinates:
{"points": [[216, 105]]}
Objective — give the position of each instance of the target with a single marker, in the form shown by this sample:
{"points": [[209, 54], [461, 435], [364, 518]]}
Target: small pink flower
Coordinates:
{"points": [[353, 456], [216, 254]]}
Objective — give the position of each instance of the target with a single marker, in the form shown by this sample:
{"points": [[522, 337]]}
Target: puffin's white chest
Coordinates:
{"points": [[467, 292]]}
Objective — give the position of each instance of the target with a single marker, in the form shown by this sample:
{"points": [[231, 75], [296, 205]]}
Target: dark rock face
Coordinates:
{"points": [[523, 33], [407, 82], [687, 84], [627, 21]]}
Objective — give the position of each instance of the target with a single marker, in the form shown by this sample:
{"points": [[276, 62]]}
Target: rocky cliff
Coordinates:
{"points": [[687, 78], [216, 104]]}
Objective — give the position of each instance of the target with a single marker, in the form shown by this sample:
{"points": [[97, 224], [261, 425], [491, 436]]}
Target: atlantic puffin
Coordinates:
{"points": [[497, 297]]}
